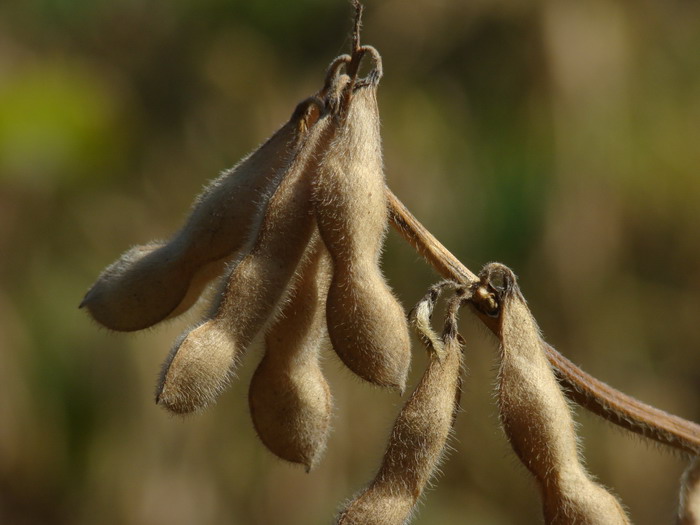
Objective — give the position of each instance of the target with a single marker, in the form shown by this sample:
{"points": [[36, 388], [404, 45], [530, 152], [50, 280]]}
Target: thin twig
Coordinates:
{"points": [[426, 244], [357, 50], [592, 394]]}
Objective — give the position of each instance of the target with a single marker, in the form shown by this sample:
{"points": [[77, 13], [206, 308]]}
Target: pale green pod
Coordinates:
{"points": [[153, 282], [290, 400]]}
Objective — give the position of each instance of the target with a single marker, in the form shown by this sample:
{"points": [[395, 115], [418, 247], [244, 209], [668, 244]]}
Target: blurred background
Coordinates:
{"points": [[560, 138]]}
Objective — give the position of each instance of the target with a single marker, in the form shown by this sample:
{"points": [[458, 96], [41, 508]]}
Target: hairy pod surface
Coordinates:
{"points": [[535, 415], [199, 366], [422, 312], [689, 508], [366, 324], [416, 445], [290, 401], [153, 282]]}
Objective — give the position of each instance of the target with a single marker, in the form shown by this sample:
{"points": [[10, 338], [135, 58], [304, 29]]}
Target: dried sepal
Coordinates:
{"points": [[417, 442], [156, 281], [689, 505], [366, 324], [535, 415], [202, 362], [421, 314], [290, 401]]}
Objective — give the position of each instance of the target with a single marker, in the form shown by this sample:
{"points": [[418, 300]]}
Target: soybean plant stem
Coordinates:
{"points": [[589, 392]]}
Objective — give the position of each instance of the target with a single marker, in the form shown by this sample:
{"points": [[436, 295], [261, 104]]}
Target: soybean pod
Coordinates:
{"points": [[417, 442], [156, 281], [366, 323], [535, 415], [201, 363], [290, 400]]}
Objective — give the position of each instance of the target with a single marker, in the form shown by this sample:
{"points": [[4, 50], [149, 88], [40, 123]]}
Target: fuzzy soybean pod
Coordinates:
{"points": [[199, 366], [290, 401], [153, 282], [416, 445], [689, 508], [534, 412], [366, 324]]}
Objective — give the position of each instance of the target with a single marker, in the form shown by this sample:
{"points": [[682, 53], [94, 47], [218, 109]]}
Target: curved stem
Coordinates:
{"points": [[592, 394], [426, 244]]}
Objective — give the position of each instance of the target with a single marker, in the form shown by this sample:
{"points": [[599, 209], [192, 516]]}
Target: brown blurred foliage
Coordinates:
{"points": [[560, 138]]}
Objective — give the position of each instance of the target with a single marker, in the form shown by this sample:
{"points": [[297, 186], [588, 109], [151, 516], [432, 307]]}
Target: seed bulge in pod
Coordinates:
{"points": [[201, 363], [366, 324], [150, 283], [416, 445], [535, 415], [290, 401]]}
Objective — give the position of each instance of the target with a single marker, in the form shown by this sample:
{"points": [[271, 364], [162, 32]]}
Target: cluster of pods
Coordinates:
{"points": [[290, 238]]}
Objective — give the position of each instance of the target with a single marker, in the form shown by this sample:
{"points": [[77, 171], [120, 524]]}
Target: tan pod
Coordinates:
{"points": [[366, 324], [152, 282], [689, 508], [416, 445], [535, 414], [290, 401], [201, 363]]}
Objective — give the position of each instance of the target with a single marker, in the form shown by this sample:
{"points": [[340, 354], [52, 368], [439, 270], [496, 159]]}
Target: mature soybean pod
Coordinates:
{"points": [[689, 505], [201, 278], [199, 366], [536, 417], [366, 324], [290, 401], [150, 283], [416, 445]]}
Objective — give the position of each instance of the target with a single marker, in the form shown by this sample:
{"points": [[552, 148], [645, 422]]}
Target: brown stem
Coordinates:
{"points": [[357, 51], [592, 394], [426, 244]]}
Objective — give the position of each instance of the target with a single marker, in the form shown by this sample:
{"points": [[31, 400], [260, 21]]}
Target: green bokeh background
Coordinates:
{"points": [[559, 137]]}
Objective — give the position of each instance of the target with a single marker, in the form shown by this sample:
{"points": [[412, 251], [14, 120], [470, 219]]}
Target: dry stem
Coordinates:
{"points": [[592, 394]]}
